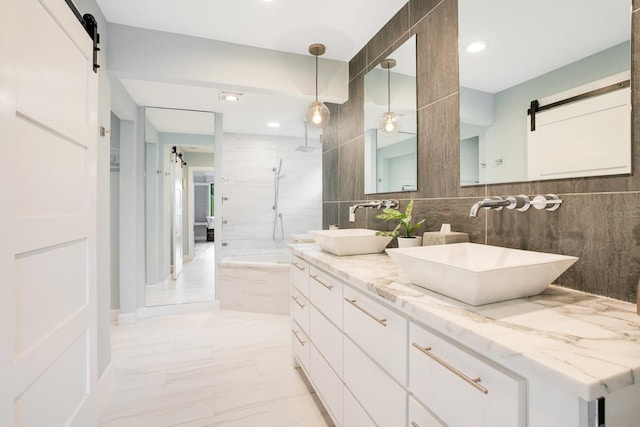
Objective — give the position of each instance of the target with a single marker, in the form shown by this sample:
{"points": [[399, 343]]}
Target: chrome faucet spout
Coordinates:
{"points": [[373, 204], [487, 203]]}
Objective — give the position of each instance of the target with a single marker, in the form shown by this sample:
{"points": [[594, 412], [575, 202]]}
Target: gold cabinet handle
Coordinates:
{"points": [[314, 277], [473, 381], [414, 424], [297, 266], [383, 322], [295, 333], [297, 301]]}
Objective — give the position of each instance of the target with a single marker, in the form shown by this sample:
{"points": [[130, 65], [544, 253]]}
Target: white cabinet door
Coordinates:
{"points": [[325, 292], [354, 415], [301, 345], [300, 309], [420, 417], [378, 393], [327, 338], [48, 129], [300, 275], [460, 387], [381, 332], [328, 385]]}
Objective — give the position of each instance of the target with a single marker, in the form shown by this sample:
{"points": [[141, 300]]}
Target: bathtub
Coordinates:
{"points": [[256, 282]]}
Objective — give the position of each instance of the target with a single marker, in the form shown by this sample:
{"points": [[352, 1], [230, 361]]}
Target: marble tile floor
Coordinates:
{"points": [[214, 368], [195, 284]]}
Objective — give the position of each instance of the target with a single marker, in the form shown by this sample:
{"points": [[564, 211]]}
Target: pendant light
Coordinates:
{"points": [[388, 123], [317, 114]]}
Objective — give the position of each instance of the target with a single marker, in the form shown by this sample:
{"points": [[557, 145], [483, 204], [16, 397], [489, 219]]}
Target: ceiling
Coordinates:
{"points": [[282, 25]]}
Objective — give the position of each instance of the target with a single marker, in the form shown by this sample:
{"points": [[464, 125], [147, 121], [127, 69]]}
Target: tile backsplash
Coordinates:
{"points": [[599, 220]]}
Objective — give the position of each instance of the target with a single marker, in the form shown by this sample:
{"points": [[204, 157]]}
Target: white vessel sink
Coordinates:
{"points": [[480, 274], [350, 241]]}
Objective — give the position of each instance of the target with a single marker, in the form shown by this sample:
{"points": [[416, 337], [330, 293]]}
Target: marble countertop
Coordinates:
{"points": [[586, 344]]}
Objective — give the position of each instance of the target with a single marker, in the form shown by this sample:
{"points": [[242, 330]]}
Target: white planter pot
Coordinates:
{"points": [[408, 242]]}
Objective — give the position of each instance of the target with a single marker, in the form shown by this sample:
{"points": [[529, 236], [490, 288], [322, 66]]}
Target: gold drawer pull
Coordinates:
{"points": [[383, 322], [314, 277], [414, 424], [295, 333], [473, 381], [297, 266], [297, 301]]}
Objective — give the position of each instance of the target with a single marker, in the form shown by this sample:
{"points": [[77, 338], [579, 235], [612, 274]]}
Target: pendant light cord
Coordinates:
{"points": [[316, 76], [389, 89]]}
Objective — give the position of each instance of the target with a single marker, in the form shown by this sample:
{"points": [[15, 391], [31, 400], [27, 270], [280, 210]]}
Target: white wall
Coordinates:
{"points": [[172, 57], [248, 185]]}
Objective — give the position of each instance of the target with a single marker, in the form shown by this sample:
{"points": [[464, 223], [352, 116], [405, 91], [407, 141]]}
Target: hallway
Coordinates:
{"points": [[216, 368], [195, 284]]}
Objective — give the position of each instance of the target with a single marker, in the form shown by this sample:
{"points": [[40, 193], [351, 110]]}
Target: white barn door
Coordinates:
{"points": [[177, 219], [48, 134]]}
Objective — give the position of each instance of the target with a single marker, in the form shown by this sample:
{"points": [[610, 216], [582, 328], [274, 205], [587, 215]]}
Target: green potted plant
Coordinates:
{"points": [[404, 230]]}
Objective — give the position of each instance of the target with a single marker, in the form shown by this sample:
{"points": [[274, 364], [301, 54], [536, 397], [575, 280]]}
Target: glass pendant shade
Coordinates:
{"points": [[388, 123], [317, 114]]}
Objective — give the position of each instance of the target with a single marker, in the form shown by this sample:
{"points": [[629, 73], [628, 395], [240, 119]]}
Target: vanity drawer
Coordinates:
{"points": [[301, 346], [354, 415], [380, 396], [420, 417], [379, 331], [300, 309], [447, 378], [300, 275], [327, 339], [327, 384], [325, 292]]}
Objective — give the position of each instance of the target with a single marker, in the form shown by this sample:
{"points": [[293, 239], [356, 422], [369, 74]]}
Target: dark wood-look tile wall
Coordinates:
{"points": [[599, 220]]}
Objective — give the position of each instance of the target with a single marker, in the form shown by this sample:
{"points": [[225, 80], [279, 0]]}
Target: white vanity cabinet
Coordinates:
{"points": [[383, 354]]}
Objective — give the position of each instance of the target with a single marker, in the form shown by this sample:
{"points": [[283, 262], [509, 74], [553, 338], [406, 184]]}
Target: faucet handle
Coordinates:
{"points": [[391, 204], [550, 202], [521, 202]]}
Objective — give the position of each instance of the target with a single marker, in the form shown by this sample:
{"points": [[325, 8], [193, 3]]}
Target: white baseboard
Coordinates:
{"points": [[114, 314], [128, 318]]}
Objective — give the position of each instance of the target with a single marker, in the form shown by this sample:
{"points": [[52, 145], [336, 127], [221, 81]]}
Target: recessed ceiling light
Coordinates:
{"points": [[229, 96], [273, 125], [476, 46]]}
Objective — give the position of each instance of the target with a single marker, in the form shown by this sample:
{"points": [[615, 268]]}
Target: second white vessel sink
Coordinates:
{"points": [[350, 241], [480, 274]]}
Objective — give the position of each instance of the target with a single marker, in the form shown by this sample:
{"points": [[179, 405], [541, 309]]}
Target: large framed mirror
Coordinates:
{"points": [[179, 208], [517, 58], [390, 123]]}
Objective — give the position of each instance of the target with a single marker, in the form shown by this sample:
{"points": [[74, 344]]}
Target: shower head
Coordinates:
{"points": [[305, 148]]}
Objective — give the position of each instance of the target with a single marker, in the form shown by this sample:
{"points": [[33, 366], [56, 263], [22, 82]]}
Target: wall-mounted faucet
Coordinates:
{"points": [[372, 204], [521, 203]]}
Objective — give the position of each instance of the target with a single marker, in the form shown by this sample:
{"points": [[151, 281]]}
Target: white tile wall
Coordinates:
{"points": [[248, 163]]}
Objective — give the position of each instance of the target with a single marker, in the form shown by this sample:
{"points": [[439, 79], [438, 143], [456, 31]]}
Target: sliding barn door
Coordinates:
{"points": [[177, 219], [48, 134]]}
